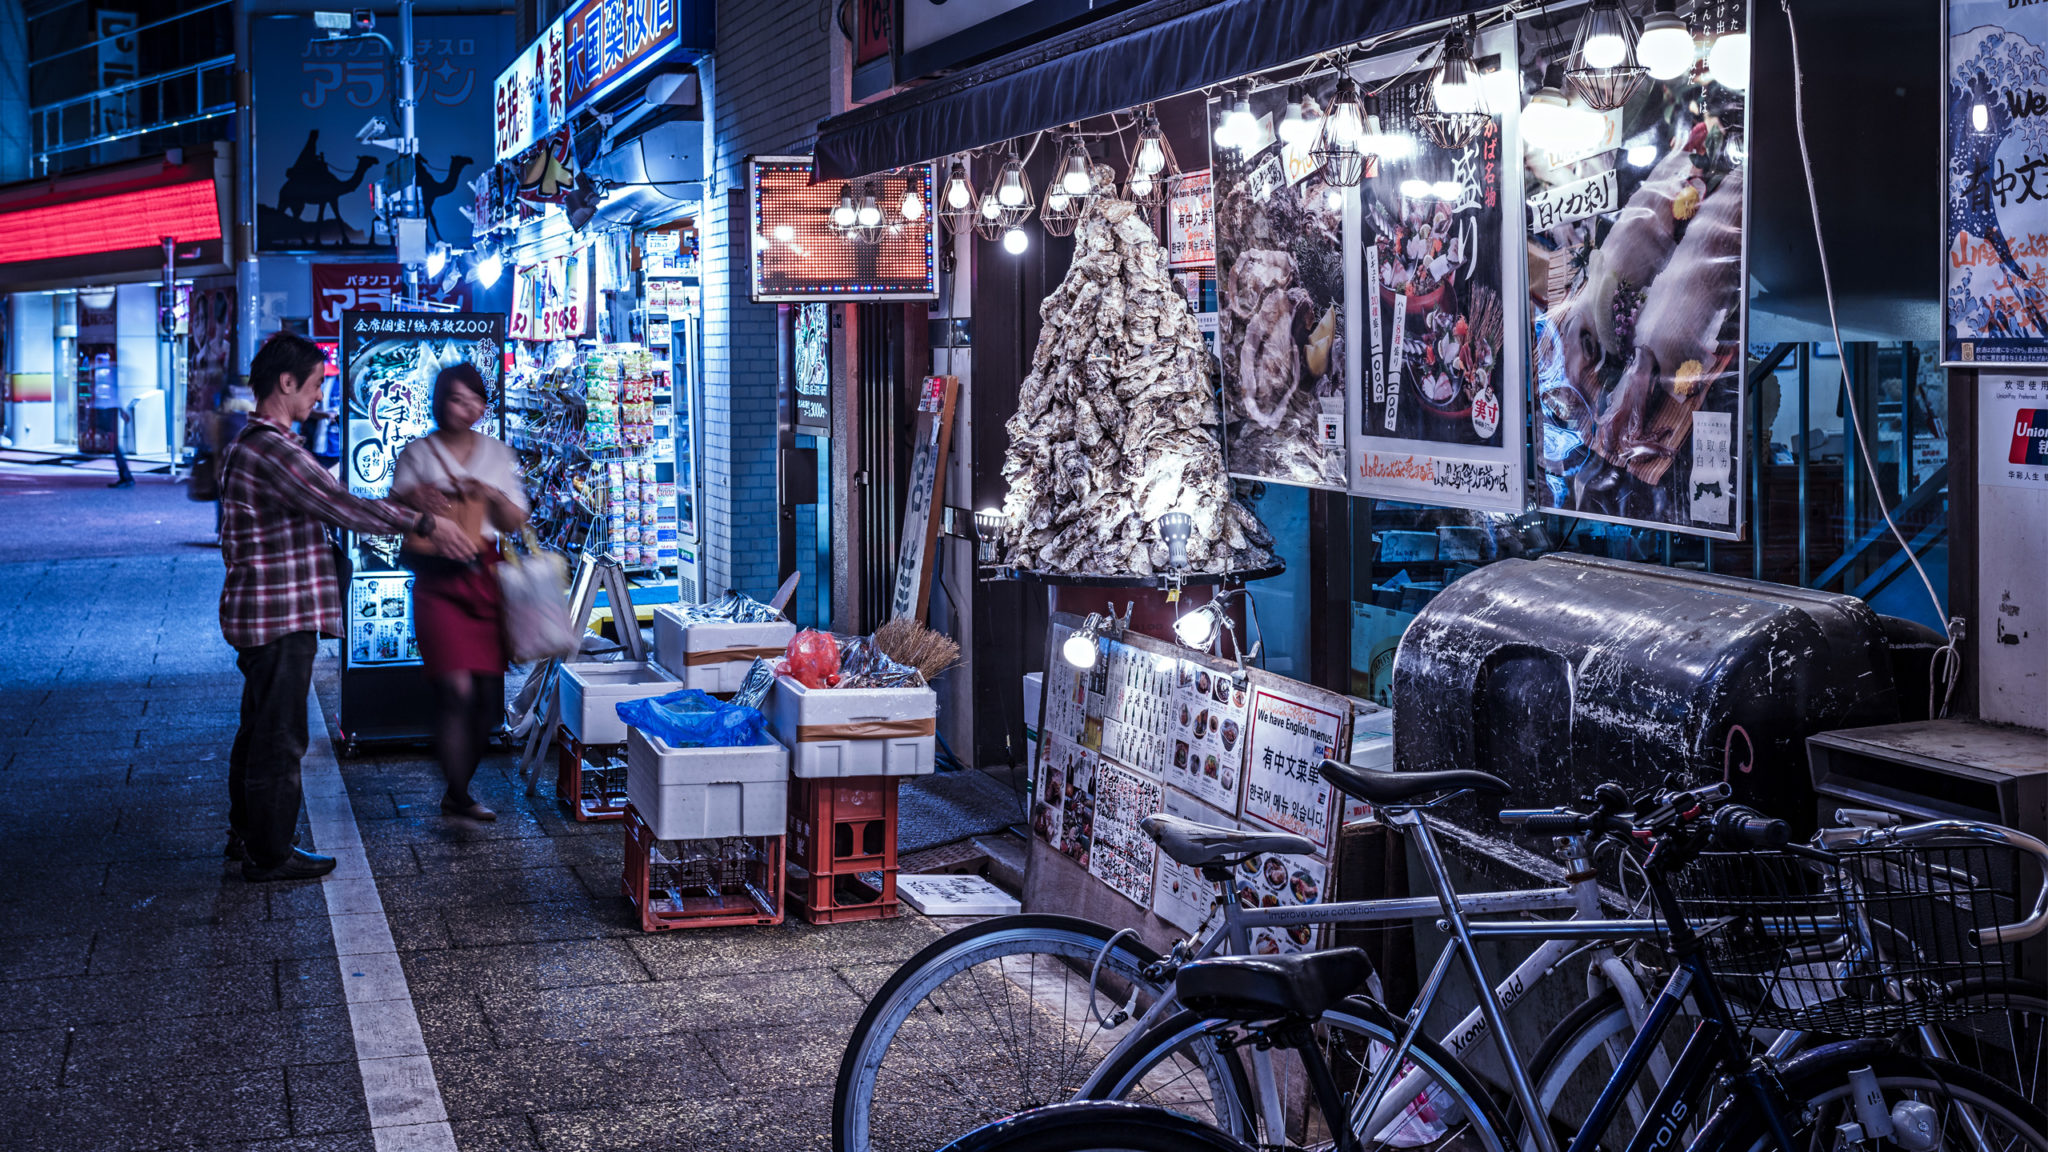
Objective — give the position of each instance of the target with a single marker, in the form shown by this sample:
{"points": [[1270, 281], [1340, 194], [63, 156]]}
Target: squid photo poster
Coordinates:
{"points": [[1995, 309], [1636, 224], [1439, 403], [1279, 228]]}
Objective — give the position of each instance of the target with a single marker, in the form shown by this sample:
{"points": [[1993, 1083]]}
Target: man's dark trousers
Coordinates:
{"points": [[263, 768]]}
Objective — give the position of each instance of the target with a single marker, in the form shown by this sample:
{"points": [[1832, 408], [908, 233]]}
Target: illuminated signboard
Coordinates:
{"points": [[116, 223], [797, 255], [531, 96], [608, 41]]}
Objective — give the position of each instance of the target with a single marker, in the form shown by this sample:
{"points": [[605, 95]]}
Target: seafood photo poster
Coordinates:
{"points": [[1994, 309], [1123, 855], [1206, 728], [1636, 253], [1436, 363], [1181, 895], [1279, 228]]}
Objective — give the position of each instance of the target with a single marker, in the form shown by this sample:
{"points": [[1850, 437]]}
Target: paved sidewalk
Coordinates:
{"points": [[149, 998]]}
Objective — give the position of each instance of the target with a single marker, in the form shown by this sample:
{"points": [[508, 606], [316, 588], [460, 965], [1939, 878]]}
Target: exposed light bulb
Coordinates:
{"points": [[1389, 145], [1980, 118], [1728, 60], [1015, 241], [870, 214], [784, 233], [1334, 199], [1603, 50], [1296, 129], [1075, 184], [1345, 125], [958, 194], [1057, 200], [990, 210], [913, 204], [1197, 629], [1547, 121], [1641, 155], [488, 268], [1141, 185], [1151, 157], [1666, 46], [1077, 177], [1454, 87], [1448, 190], [1456, 96], [1009, 196], [846, 213], [1415, 189]]}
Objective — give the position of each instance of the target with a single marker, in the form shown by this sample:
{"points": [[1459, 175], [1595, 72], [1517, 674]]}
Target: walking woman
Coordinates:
{"points": [[457, 610]]}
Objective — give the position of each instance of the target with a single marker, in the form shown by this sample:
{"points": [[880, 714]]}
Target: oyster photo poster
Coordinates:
{"points": [[1279, 227], [1635, 261], [1439, 418], [1994, 307]]}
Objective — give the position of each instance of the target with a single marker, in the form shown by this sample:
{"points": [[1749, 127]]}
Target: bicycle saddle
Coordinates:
{"points": [[1195, 844], [1268, 987], [1376, 787]]}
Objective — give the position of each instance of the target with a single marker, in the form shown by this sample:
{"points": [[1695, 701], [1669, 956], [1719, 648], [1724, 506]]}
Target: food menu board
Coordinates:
{"points": [[380, 625], [1155, 728]]}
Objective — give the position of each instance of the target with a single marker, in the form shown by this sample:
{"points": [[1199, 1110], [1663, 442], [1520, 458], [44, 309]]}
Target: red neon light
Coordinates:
{"points": [[115, 223]]}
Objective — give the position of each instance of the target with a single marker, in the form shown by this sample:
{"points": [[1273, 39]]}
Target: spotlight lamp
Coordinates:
{"points": [[1605, 71], [1454, 110], [1083, 648], [1341, 143], [1200, 627], [1174, 530], [1666, 49], [990, 525], [957, 201]]}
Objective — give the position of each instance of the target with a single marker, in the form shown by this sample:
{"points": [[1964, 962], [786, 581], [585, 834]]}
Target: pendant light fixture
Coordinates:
{"points": [[845, 214], [1340, 145], [1454, 110], [1154, 156], [1556, 122], [1299, 120], [911, 207], [1728, 60], [1061, 212], [1605, 71], [1073, 173], [869, 226], [1666, 48], [1238, 129], [1013, 188], [989, 218], [957, 201]]}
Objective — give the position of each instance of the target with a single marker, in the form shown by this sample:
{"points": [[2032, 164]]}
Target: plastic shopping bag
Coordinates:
{"points": [[693, 719], [535, 590]]}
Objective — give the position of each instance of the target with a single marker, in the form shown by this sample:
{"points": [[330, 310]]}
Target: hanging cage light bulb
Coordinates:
{"points": [[1606, 72], [1454, 110], [1298, 121], [1015, 240], [1239, 129], [846, 213], [1076, 176], [1340, 145], [911, 207], [869, 214], [956, 205], [1152, 155], [1728, 60], [1666, 48]]}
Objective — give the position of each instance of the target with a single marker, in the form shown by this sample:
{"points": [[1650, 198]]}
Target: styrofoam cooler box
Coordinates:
{"points": [[707, 793], [592, 691], [676, 638], [793, 708]]}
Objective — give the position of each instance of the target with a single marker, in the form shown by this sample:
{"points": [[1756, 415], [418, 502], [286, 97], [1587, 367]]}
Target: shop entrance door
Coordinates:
{"points": [[882, 461]]}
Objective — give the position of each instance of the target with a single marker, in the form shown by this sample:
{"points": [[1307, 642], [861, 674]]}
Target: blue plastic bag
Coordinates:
{"points": [[693, 719]]}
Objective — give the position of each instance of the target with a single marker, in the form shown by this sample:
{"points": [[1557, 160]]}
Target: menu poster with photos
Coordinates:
{"points": [[1636, 284], [1280, 280], [1063, 812], [1292, 729], [1122, 855], [1181, 895], [1994, 309], [380, 625], [1207, 734], [1437, 360], [1273, 881]]}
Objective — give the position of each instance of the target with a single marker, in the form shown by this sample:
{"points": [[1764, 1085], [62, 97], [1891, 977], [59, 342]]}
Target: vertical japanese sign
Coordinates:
{"points": [[1995, 276], [314, 182], [339, 288], [1191, 222], [1635, 259], [1438, 409], [1292, 728], [530, 97]]}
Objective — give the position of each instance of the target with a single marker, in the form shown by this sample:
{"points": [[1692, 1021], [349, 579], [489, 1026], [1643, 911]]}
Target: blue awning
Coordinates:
{"points": [[1148, 53]]}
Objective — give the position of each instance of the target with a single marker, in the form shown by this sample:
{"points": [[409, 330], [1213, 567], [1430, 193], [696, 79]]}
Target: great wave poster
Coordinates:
{"points": [[1996, 264]]}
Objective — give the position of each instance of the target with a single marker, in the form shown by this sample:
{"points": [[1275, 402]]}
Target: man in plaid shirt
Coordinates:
{"points": [[283, 593]]}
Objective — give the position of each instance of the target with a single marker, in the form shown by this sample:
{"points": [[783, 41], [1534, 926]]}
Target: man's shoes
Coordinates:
{"points": [[300, 865], [236, 850], [130, 483], [469, 810]]}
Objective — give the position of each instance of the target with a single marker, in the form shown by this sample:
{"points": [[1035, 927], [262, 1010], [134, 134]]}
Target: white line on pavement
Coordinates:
{"points": [[406, 1113]]}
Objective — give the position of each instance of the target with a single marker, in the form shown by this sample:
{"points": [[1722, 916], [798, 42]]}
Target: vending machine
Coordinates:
{"points": [[388, 364]]}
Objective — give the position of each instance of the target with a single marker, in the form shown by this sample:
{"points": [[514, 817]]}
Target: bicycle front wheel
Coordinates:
{"points": [[1963, 1110], [1097, 1126], [1183, 1064], [988, 1021], [2006, 1038]]}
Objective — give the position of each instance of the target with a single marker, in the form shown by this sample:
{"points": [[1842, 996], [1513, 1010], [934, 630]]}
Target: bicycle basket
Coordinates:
{"points": [[1864, 944]]}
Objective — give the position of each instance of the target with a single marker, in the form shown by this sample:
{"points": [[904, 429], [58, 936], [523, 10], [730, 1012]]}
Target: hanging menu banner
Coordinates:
{"points": [[1995, 309]]}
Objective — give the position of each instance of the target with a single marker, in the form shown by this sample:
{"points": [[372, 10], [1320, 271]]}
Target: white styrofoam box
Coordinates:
{"points": [[706, 793], [592, 691], [792, 706], [675, 638], [940, 894]]}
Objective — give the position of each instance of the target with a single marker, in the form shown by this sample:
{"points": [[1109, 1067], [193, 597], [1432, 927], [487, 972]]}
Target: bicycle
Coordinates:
{"points": [[923, 1020], [1853, 1093]]}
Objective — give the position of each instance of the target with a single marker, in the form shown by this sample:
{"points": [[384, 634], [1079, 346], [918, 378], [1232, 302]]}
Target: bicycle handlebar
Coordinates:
{"points": [[1907, 835]]}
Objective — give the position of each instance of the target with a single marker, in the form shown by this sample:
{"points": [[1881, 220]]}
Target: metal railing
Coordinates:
{"points": [[84, 121]]}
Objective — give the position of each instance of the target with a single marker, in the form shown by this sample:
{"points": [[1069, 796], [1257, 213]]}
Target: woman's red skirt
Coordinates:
{"points": [[457, 616]]}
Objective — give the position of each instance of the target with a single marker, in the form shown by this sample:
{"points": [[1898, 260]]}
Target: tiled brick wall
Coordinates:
{"points": [[769, 86]]}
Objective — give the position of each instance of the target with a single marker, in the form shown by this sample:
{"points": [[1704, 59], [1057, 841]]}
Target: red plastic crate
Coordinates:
{"points": [[848, 896], [842, 826], [576, 770], [701, 883]]}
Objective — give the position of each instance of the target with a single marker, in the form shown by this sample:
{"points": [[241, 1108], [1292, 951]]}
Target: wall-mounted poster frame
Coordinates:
{"points": [[1638, 313], [1995, 209], [1436, 341]]}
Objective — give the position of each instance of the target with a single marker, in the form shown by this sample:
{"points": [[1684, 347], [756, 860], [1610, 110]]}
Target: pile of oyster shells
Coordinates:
{"points": [[1116, 423]]}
